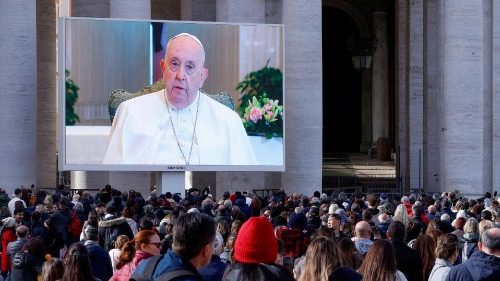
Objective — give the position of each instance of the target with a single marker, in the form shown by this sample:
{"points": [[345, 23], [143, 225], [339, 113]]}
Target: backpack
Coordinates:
{"points": [[152, 263], [75, 225], [19, 259]]}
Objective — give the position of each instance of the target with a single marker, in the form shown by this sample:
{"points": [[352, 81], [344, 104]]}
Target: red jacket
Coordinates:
{"points": [[8, 235]]}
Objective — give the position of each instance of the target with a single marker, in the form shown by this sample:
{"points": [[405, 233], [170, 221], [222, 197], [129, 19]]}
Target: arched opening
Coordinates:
{"points": [[341, 85]]}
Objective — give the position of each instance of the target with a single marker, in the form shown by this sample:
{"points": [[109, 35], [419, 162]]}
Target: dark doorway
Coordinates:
{"points": [[341, 85]]}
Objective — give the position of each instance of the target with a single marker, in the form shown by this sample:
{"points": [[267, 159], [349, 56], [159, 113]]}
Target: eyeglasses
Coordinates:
{"points": [[157, 244], [189, 66]]}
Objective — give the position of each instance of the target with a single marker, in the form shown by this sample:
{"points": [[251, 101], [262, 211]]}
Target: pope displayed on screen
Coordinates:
{"points": [[179, 125]]}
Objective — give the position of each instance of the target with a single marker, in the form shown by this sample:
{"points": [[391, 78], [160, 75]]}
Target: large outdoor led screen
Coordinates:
{"points": [[128, 101]]}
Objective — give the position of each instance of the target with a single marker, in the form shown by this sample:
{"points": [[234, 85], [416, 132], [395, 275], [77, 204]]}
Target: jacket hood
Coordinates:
{"points": [[471, 237], [363, 245], [482, 266], [112, 222]]}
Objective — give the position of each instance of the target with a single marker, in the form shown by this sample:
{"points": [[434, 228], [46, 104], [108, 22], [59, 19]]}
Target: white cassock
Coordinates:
{"points": [[142, 133]]}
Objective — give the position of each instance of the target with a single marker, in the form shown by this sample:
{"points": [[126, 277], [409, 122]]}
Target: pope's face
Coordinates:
{"points": [[183, 71]]}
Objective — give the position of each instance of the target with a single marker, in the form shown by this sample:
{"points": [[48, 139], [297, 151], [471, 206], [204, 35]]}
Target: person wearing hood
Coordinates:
{"points": [[469, 242], [297, 219], [484, 264], [7, 234], [111, 227], [361, 239]]}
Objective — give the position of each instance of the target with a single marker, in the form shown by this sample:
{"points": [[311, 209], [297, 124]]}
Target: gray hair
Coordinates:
{"points": [[491, 240]]}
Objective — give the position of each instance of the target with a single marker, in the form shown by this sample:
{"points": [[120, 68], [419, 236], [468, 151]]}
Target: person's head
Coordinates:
{"points": [[18, 215], [380, 262], [490, 241], [256, 242], [362, 230], [193, 238], [17, 192], [322, 257], [120, 241], [483, 225], [432, 209], [396, 231], [91, 233], [77, 264], [471, 226], [22, 232], [145, 240], [145, 224], [53, 269], [447, 248], [183, 69], [333, 221]]}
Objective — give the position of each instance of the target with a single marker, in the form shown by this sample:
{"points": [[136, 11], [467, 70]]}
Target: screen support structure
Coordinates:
{"points": [[174, 182]]}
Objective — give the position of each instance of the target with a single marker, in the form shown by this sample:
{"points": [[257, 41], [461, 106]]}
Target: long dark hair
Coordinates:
{"points": [[380, 262], [77, 264]]}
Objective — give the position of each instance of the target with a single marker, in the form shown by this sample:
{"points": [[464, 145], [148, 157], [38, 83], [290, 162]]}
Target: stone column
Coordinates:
{"points": [[241, 11], [431, 97], [380, 79], [18, 80], [198, 10], [462, 86], [166, 9], [496, 96], [274, 11], [130, 9], [415, 89], [488, 98], [90, 8], [366, 110], [401, 98], [46, 161], [303, 76]]}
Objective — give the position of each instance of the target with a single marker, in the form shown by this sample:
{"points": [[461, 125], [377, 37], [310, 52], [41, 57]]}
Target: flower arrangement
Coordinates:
{"points": [[260, 95], [264, 116]]}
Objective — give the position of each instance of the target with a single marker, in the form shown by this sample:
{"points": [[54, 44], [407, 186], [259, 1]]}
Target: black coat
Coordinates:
{"points": [[408, 261]]}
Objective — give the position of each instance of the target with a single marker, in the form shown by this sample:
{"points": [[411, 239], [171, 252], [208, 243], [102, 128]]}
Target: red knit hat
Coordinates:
{"points": [[232, 197], [256, 242]]}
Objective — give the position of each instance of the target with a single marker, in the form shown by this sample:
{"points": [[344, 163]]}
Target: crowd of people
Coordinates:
{"points": [[117, 236]]}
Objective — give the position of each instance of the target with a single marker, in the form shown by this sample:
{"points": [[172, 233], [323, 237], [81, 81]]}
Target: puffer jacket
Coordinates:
{"points": [[480, 266], [109, 230]]}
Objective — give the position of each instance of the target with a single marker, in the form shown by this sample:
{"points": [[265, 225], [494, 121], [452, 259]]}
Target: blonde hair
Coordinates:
{"points": [[322, 257], [401, 215], [471, 226]]}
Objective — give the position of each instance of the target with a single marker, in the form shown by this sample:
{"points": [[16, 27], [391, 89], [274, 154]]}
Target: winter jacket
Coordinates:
{"points": [[214, 270], [100, 263], [408, 261], [170, 262], [479, 267], [440, 270], [29, 270], [109, 230], [124, 273], [15, 246], [61, 220], [8, 235], [469, 245]]}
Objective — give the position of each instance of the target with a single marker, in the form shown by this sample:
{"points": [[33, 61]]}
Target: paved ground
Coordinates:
{"points": [[355, 164]]}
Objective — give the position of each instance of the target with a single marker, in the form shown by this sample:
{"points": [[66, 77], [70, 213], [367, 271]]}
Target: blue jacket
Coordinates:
{"points": [[100, 262], [169, 262], [214, 270], [480, 266]]}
